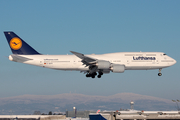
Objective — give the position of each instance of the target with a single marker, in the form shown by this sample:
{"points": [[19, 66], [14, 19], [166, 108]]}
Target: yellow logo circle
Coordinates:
{"points": [[16, 43]]}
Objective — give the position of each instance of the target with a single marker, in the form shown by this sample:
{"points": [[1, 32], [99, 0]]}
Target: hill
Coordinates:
{"points": [[27, 104]]}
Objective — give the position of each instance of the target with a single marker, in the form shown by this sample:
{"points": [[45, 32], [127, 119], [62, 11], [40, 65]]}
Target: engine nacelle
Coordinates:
{"points": [[101, 64], [116, 68]]}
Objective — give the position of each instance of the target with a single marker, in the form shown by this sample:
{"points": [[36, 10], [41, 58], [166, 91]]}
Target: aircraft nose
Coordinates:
{"points": [[174, 61]]}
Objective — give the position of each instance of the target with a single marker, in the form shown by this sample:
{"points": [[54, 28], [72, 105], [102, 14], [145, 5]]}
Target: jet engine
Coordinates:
{"points": [[116, 68], [101, 64]]}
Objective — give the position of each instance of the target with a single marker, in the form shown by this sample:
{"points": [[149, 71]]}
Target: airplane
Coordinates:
{"points": [[89, 64]]}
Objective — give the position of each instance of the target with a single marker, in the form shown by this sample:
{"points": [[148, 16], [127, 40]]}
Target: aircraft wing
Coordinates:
{"points": [[85, 59]]}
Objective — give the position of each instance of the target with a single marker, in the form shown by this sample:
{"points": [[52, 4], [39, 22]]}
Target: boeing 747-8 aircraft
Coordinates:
{"points": [[90, 64]]}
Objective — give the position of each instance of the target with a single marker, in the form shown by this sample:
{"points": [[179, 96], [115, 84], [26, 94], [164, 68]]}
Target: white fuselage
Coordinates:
{"points": [[131, 60]]}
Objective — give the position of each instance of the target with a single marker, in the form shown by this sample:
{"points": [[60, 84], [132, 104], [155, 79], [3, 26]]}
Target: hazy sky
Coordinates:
{"points": [[57, 27]]}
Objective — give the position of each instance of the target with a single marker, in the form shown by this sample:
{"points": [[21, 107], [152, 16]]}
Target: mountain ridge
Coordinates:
{"points": [[65, 101], [122, 96]]}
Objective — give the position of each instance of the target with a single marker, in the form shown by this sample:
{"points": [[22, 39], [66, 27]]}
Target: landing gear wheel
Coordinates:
{"points": [[93, 76], [100, 73], [159, 74], [99, 76], [87, 75]]}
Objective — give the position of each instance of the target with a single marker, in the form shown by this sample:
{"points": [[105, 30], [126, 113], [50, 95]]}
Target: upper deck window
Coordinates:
{"points": [[164, 54]]}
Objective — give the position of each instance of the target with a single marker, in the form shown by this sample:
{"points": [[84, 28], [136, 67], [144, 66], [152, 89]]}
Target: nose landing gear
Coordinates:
{"points": [[160, 74]]}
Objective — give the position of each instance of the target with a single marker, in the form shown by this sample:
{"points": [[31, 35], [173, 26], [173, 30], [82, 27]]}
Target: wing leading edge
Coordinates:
{"points": [[85, 59]]}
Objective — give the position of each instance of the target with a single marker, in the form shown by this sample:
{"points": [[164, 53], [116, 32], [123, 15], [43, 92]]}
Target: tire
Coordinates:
{"points": [[159, 74]]}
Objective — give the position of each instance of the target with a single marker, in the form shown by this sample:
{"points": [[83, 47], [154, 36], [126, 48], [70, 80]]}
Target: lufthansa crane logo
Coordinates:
{"points": [[15, 43]]}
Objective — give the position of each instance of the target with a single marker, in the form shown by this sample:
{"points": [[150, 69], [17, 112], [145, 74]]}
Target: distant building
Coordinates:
{"points": [[136, 115], [37, 113], [82, 114], [32, 117]]}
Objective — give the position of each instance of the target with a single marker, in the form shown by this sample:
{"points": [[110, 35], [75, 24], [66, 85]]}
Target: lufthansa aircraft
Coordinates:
{"points": [[89, 64]]}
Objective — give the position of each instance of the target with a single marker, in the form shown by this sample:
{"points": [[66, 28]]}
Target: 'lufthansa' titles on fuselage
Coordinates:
{"points": [[144, 58]]}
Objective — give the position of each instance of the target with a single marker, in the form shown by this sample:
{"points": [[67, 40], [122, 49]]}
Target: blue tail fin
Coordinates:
{"points": [[19, 46]]}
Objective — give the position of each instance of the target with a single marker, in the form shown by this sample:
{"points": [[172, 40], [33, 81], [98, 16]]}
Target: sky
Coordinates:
{"points": [[61, 26]]}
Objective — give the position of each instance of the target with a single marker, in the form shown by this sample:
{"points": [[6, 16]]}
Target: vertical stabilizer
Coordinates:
{"points": [[18, 45]]}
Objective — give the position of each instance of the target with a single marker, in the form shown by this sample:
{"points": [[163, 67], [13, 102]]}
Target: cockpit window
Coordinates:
{"points": [[164, 54]]}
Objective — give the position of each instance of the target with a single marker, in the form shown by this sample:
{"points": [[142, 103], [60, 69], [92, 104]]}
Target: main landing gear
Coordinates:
{"points": [[160, 74], [100, 73], [94, 74]]}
